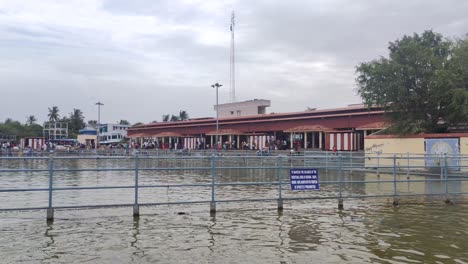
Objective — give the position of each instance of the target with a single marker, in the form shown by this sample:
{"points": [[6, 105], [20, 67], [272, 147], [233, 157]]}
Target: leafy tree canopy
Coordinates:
{"points": [[183, 115], [11, 127], [423, 84]]}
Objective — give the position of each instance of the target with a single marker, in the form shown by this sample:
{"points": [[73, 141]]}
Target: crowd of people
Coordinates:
{"points": [[226, 145]]}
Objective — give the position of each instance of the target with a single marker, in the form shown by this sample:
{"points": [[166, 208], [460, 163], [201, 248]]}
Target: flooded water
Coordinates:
{"points": [[420, 230]]}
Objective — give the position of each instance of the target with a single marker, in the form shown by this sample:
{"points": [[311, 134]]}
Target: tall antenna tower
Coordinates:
{"points": [[232, 73]]}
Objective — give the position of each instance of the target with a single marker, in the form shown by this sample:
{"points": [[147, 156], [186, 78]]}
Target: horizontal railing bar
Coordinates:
{"points": [[224, 184], [24, 190], [23, 170], [230, 201]]}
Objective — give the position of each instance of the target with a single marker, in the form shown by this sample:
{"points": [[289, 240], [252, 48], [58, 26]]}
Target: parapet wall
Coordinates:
{"points": [[379, 149]]}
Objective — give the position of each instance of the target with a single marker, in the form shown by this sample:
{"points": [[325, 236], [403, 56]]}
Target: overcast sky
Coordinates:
{"points": [[146, 58]]}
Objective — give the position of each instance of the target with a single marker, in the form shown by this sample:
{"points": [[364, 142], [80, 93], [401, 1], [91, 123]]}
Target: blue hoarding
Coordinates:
{"points": [[304, 179]]}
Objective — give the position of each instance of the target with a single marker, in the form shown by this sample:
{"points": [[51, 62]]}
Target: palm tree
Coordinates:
{"points": [[92, 123], [165, 118], [53, 113], [174, 118], [183, 115], [31, 119], [76, 120]]}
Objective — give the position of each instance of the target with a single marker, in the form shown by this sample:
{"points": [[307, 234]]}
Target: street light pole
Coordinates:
{"points": [[217, 85], [98, 123]]}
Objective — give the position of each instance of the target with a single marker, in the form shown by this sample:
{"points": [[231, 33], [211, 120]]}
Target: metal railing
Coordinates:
{"points": [[267, 171]]}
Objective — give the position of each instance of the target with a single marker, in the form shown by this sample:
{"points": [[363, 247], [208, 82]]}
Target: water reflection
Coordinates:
{"points": [[210, 228], [49, 245], [366, 231]]}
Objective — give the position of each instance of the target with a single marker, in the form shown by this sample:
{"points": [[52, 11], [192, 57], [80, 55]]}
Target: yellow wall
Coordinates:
{"points": [[464, 151], [464, 145], [82, 138], [380, 151]]}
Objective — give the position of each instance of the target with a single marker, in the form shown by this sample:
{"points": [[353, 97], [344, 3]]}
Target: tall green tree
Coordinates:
{"points": [[76, 121], [417, 84], [165, 118], [53, 113], [124, 122], [31, 120]]}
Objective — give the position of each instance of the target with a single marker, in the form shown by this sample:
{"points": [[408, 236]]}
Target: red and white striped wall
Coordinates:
{"points": [[260, 141], [33, 143], [191, 143], [344, 141]]}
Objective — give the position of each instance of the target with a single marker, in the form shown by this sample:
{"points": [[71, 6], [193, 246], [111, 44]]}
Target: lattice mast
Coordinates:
{"points": [[232, 73]]}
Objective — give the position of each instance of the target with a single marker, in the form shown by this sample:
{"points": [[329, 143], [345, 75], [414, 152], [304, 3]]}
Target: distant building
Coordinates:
{"points": [[246, 108], [112, 133], [87, 136], [7, 138], [55, 130], [343, 129]]}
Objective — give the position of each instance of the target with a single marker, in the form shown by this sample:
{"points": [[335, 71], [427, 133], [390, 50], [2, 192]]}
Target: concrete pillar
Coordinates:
{"points": [[50, 214], [320, 140], [291, 141], [305, 140], [447, 200], [340, 204], [211, 142], [230, 140], [136, 210], [313, 140], [238, 140], [280, 204]]}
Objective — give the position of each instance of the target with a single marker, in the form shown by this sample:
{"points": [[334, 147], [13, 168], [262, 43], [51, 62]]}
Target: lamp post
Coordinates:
{"points": [[216, 86], [98, 123]]}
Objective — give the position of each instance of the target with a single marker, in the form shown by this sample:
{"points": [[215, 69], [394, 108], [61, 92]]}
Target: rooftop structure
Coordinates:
{"points": [[246, 108]]}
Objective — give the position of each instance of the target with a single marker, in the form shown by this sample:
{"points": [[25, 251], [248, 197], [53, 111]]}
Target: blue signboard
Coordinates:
{"points": [[304, 179]]}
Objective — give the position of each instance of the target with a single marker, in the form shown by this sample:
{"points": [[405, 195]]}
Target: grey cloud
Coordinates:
{"points": [[297, 53]]}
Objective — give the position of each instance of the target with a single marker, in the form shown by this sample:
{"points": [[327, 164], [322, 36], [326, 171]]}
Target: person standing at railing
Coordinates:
{"points": [[334, 149]]}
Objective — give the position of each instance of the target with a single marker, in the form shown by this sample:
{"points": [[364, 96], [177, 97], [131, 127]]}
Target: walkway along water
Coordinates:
{"points": [[136, 181]]}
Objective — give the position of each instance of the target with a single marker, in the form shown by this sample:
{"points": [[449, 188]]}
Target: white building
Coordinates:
{"points": [[246, 108], [55, 130], [112, 133]]}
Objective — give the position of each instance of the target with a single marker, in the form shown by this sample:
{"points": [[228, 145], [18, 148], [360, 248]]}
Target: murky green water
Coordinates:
{"points": [[421, 230]]}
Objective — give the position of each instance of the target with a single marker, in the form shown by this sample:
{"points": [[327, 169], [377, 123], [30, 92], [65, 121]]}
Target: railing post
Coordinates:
{"points": [[378, 164], [447, 198], [213, 173], [395, 191], [136, 207], [441, 167], [408, 165], [50, 209], [351, 161], [340, 182], [326, 161], [279, 169]]}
